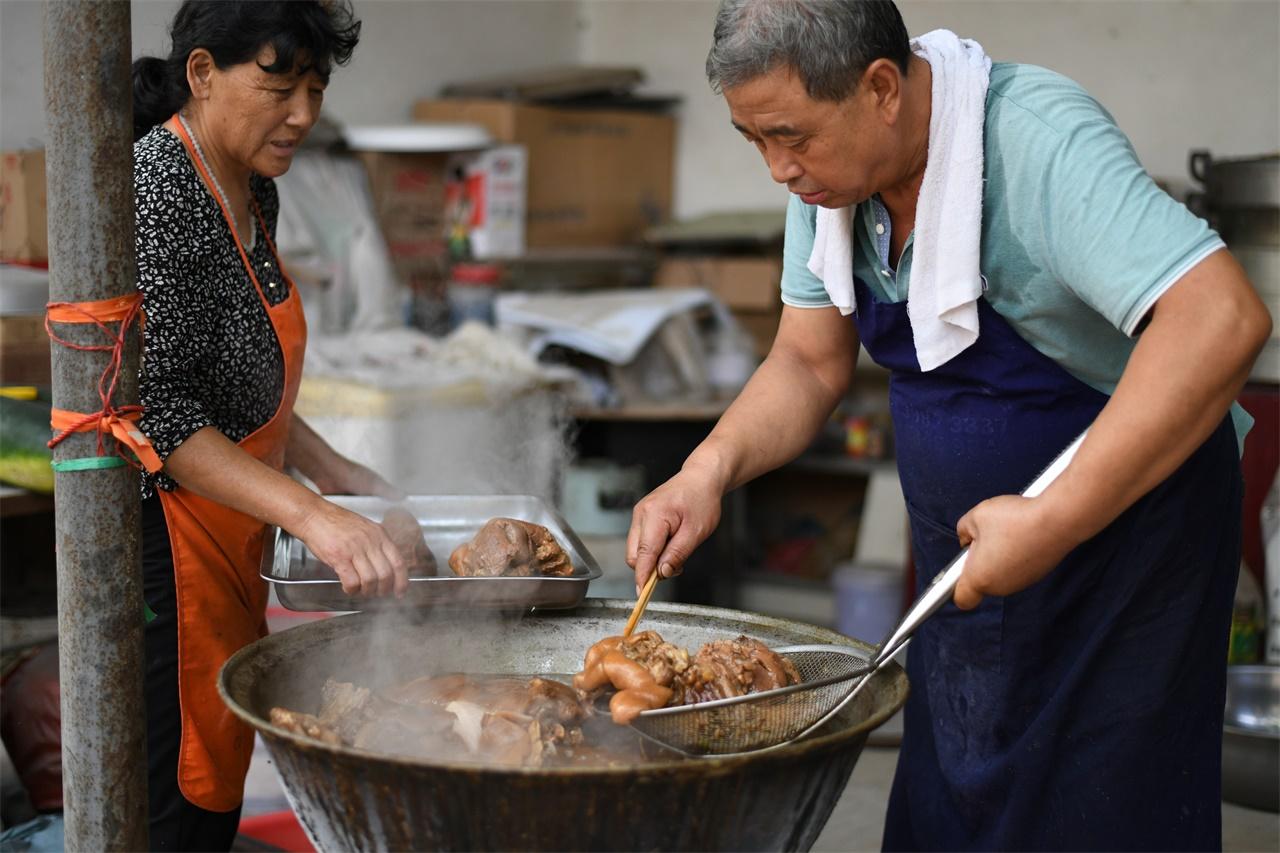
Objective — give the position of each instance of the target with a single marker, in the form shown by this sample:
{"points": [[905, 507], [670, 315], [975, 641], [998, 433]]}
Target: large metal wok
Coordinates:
{"points": [[350, 799]]}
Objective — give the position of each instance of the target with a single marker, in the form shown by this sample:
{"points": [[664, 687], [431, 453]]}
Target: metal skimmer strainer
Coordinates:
{"points": [[775, 718], [761, 720]]}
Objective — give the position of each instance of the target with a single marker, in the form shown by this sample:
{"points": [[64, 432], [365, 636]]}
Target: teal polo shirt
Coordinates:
{"points": [[1078, 242]]}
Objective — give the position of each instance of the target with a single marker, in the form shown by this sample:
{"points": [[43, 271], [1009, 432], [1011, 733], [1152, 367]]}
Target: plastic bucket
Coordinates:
{"points": [[868, 599]]}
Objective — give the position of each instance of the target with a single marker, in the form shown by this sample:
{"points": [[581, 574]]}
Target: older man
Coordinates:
{"points": [[1024, 279]]}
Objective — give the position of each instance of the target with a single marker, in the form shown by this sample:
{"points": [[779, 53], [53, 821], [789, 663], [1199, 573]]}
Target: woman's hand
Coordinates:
{"points": [[1013, 542], [359, 550], [670, 522]]}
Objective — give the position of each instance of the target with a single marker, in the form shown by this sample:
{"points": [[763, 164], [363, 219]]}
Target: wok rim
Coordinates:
{"points": [[679, 766]]}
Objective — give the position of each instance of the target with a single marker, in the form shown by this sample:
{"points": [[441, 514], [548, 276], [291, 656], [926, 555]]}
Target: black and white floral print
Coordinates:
{"points": [[210, 355]]}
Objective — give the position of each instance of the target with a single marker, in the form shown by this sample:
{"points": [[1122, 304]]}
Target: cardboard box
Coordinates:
{"points": [[408, 192], [23, 230], [596, 177], [24, 351], [742, 283], [761, 325], [485, 201]]}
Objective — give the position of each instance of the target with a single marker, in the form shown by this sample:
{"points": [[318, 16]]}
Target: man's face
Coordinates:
{"points": [[830, 153]]}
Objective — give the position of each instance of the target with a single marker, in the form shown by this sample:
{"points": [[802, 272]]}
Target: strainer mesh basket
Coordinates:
{"points": [[757, 720]]}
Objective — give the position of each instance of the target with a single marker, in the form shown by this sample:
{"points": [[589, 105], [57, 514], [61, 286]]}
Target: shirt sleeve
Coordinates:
{"points": [[800, 288], [180, 312], [1112, 236]]}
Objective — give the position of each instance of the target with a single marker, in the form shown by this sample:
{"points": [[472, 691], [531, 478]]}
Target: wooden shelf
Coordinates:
{"points": [[14, 502]]}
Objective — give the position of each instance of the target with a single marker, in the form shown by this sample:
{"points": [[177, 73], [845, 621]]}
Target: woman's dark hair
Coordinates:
{"points": [[320, 33]]}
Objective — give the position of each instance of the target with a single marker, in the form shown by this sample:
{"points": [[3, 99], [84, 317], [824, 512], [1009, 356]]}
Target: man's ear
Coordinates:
{"points": [[200, 68], [882, 84]]}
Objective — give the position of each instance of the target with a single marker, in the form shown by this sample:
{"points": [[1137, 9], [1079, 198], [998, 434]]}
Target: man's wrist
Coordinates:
{"points": [[1069, 515], [710, 461]]}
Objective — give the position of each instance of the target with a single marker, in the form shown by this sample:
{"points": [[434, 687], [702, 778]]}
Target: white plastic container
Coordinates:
{"points": [[598, 496]]}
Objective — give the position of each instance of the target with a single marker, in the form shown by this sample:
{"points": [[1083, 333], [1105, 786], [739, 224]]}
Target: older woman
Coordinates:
{"points": [[215, 122]]}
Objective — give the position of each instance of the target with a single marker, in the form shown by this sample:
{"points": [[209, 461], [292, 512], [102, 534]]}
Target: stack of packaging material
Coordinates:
{"points": [[600, 159], [738, 257], [23, 236], [24, 286]]}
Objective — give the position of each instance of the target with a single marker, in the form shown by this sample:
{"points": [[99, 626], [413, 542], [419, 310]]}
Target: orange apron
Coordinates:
{"points": [[216, 559]]}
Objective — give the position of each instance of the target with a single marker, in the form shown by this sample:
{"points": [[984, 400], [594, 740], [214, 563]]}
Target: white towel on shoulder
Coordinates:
{"points": [[946, 281]]}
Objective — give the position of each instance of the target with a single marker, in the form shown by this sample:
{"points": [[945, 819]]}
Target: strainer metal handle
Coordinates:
{"points": [[720, 727]]}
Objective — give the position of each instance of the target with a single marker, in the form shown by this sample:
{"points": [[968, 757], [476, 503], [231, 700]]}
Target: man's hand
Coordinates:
{"points": [[1013, 542], [670, 522]]}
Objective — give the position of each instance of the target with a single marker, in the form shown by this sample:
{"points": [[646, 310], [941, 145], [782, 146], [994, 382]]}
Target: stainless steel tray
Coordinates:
{"points": [[302, 582]]}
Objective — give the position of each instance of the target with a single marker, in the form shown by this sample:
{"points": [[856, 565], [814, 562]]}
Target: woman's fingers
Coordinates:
{"points": [[381, 560], [399, 568], [366, 578]]}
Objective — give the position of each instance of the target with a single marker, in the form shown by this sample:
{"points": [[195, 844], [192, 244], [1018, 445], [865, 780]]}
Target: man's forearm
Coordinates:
{"points": [[778, 413]]}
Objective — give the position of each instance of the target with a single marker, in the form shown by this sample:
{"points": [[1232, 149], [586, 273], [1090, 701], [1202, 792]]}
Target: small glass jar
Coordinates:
{"points": [[471, 291]]}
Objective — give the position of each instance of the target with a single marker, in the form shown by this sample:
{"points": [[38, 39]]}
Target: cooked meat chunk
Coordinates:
{"points": [[343, 706], [644, 669], [510, 547], [405, 532], [406, 730], [304, 724], [726, 668], [505, 721], [648, 672]]}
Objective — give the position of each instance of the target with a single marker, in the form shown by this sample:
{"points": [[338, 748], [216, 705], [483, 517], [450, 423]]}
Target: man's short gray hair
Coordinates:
{"points": [[828, 43]]}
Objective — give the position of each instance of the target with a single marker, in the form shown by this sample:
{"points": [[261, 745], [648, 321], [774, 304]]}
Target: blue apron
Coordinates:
{"points": [[1084, 712]]}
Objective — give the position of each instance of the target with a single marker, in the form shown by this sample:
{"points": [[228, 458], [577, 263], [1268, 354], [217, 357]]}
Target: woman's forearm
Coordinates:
{"points": [[212, 466], [308, 453]]}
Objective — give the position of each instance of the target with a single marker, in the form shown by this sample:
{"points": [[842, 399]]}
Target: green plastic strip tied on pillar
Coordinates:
{"points": [[87, 463]]}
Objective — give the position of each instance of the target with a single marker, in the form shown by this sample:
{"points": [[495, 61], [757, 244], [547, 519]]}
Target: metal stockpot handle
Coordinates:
{"points": [[1199, 164]]}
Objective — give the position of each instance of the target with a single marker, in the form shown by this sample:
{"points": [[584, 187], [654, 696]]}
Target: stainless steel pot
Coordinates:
{"points": [[350, 799], [1248, 182], [1241, 200], [1251, 737]]}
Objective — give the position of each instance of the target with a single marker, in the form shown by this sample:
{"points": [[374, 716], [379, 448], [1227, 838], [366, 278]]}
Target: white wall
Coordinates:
{"points": [[1176, 75], [407, 51]]}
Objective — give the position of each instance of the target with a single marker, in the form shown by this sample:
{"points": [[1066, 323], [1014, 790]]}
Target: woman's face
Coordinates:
{"points": [[254, 118]]}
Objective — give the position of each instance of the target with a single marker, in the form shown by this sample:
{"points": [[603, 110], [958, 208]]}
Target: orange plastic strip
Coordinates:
{"points": [[110, 420], [119, 424], [113, 310]]}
